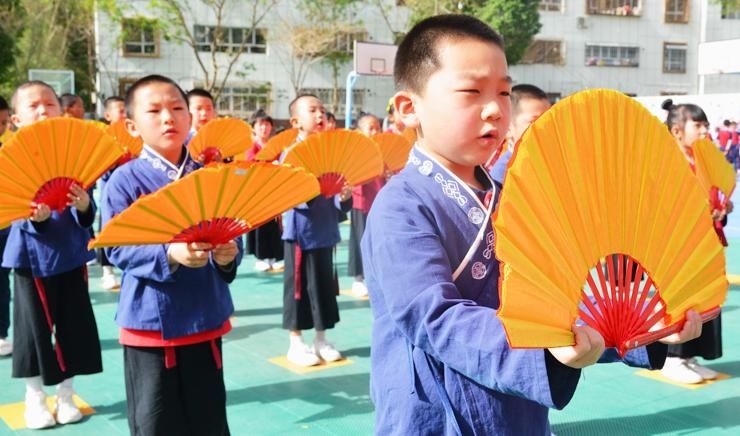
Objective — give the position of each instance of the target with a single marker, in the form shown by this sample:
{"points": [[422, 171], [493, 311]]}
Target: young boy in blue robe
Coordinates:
{"points": [[311, 232], [55, 337], [6, 345], [440, 362], [175, 302]]}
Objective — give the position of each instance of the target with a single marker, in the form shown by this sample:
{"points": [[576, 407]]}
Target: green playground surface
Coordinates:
{"points": [[267, 399]]}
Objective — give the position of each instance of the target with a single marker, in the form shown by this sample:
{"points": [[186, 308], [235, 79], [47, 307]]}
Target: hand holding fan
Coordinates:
{"points": [[41, 162], [132, 146], [219, 139], [275, 145], [212, 205], [598, 177], [395, 150], [338, 158]]}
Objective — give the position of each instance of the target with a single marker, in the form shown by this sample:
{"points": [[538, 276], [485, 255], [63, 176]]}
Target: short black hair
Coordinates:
{"points": [[366, 115], [417, 57], [26, 85], [291, 106], [199, 92], [113, 99], [330, 116], [679, 114], [260, 115], [4, 104], [525, 91], [68, 100], [144, 81]]}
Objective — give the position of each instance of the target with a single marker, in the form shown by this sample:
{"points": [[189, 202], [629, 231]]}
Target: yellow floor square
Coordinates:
{"points": [[656, 375], [349, 293], [301, 370], [12, 414], [734, 279]]}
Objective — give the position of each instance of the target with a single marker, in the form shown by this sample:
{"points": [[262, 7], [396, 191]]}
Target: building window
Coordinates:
{"points": [[326, 96], [345, 42], [232, 39], [140, 37], [544, 52], [612, 56], [676, 11], [674, 58], [124, 84], [731, 10], [551, 5], [623, 8], [243, 101]]}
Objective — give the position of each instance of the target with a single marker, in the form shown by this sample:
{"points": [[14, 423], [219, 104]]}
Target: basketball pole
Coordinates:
{"points": [[351, 79]]}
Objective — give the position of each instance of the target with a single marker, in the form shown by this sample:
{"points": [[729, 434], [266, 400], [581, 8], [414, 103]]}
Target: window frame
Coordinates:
{"points": [[561, 49], [686, 12], [603, 10], [134, 21], [666, 46], [550, 6], [263, 100], [228, 45], [614, 55]]}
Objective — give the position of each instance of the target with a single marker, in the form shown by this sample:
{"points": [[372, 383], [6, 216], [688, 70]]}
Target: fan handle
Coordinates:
{"points": [[650, 337]]}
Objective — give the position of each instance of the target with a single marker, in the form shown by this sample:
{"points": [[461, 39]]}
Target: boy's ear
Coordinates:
{"points": [[294, 122], [15, 119], [131, 127], [676, 132], [403, 102]]}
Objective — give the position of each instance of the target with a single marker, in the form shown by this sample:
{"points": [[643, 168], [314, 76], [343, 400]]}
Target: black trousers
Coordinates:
{"points": [[68, 305], [708, 345], [356, 230], [317, 306], [188, 399], [265, 241], [4, 292]]}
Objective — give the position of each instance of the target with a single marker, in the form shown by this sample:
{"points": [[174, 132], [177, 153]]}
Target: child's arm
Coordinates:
{"points": [[343, 200], [81, 206]]}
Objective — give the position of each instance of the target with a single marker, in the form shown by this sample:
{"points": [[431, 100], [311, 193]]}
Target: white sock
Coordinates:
{"points": [[34, 385], [108, 271], [320, 337], [296, 340], [66, 388]]}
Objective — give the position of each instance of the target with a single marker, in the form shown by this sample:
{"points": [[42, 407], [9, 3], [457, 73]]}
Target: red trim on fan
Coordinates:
{"points": [[331, 184], [54, 193], [214, 231]]}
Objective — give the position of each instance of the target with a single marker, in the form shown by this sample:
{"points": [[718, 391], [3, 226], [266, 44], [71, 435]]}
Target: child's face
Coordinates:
{"points": [[4, 120], [77, 110], [262, 129], [331, 124], [309, 116], [202, 111], [115, 111], [160, 116], [693, 131], [529, 110], [462, 116], [35, 103], [369, 126]]}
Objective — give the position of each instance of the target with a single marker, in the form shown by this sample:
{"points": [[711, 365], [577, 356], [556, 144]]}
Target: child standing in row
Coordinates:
{"points": [[55, 337], [202, 110], [6, 346], [175, 302], [310, 233]]}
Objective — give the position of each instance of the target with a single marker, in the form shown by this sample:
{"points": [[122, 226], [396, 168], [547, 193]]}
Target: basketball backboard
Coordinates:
{"points": [[373, 59], [719, 57], [63, 81]]}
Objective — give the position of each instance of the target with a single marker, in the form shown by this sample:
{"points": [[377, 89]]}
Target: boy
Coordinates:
{"points": [[114, 109], [440, 363], [48, 253], [311, 232], [362, 198], [202, 109], [6, 346], [175, 302], [528, 102], [72, 106]]}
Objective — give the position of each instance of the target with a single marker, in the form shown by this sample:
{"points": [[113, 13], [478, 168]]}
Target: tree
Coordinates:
{"points": [[11, 27], [518, 21]]}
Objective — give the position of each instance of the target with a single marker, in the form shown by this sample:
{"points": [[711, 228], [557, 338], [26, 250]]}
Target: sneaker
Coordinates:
{"points": [[67, 411], [261, 266], [6, 347], [37, 414], [302, 355], [703, 371], [359, 289], [108, 281], [678, 370], [278, 266], [327, 351]]}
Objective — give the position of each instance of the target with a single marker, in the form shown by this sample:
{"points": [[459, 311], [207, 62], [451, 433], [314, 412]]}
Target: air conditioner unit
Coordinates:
{"points": [[581, 22]]}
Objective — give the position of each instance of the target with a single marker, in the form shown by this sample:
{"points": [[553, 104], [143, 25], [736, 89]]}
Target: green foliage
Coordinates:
{"points": [[518, 21]]}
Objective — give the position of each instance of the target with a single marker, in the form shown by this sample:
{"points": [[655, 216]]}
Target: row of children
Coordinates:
{"points": [[728, 139]]}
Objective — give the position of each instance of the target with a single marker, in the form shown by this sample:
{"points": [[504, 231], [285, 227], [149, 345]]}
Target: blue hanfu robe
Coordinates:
{"points": [[498, 170], [440, 362], [180, 303]]}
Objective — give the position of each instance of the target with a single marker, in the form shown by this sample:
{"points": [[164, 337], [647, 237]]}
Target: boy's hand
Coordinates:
{"points": [[691, 329], [388, 174], [78, 198], [191, 255], [729, 208], [224, 254], [346, 193], [41, 212], [588, 348]]}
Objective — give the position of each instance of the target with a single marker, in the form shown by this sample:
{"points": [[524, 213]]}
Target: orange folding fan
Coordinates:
{"points": [[132, 146], [221, 138], [336, 158], [40, 163], [395, 150], [597, 198], [276, 145], [713, 171], [213, 205]]}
